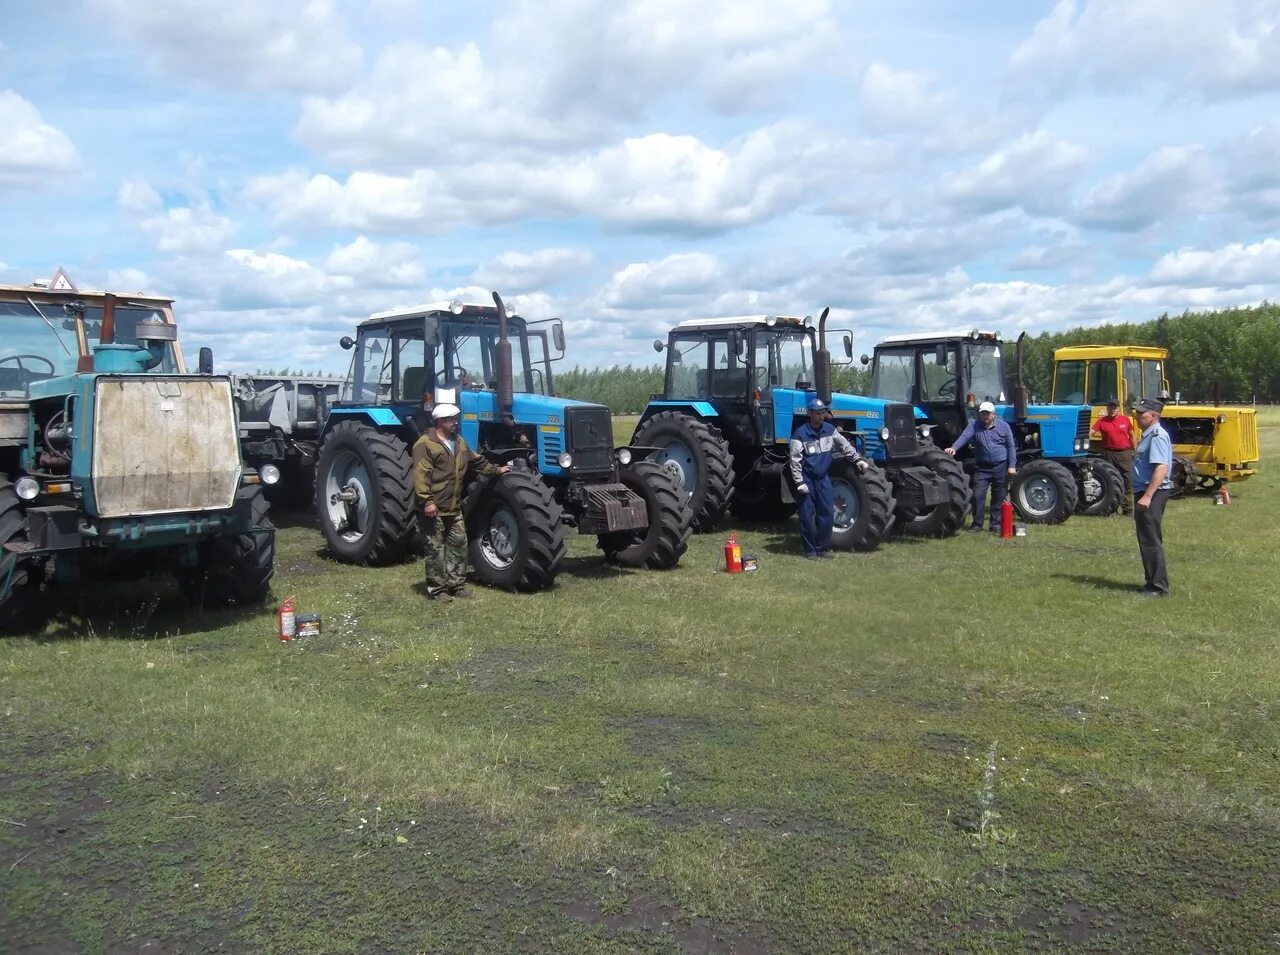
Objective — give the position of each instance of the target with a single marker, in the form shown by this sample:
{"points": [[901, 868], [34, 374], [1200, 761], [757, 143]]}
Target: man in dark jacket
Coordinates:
{"points": [[995, 453], [441, 463], [813, 445]]}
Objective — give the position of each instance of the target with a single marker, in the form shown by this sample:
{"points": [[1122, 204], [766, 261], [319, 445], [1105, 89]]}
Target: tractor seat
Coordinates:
{"points": [[413, 384]]}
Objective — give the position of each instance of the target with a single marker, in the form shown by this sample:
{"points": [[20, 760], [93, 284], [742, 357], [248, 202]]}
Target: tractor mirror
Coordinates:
{"points": [[658, 345], [557, 335], [206, 361], [346, 341], [735, 343], [848, 347]]}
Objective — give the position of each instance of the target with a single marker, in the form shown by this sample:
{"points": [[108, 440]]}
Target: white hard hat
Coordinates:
{"points": [[445, 410], [987, 406]]}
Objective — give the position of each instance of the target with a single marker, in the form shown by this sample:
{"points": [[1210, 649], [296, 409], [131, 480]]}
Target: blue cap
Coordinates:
{"points": [[817, 405]]}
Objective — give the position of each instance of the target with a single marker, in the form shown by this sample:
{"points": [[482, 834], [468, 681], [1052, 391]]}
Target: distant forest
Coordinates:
{"points": [[1236, 351]]}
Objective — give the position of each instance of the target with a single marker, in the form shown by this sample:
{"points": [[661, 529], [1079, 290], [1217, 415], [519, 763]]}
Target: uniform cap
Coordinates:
{"points": [[1151, 404], [442, 411], [987, 406], [817, 404]]}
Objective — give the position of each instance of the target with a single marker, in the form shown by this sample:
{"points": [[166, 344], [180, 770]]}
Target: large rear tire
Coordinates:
{"points": [[515, 531], [1044, 492], [235, 570], [15, 569], [698, 455], [664, 542], [1102, 494], [1183, 475], [364, 494], [945, 519], [863, 507]]}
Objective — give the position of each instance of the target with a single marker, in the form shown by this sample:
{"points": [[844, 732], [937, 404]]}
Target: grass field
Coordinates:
{"points": [[962, 745]]}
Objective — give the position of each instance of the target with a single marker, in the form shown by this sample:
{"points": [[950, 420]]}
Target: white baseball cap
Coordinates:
{"points": [[987, 406], [444, 411]]}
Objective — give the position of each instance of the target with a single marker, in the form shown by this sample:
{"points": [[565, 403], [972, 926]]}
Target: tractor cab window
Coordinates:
{"points": [[783, 359], [469, 352], [939, 380], [687, 368], [411, 369], [729, 379], [371, 366], [893, 374], [984, 372], [539, 363], [1068, 383], [1152, 378], [1103, 386], [1133, 380]]}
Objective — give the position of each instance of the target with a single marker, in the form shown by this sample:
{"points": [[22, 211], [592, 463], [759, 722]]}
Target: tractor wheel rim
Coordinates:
{"points": [[1091, 488], [847, 505], [349, 519], [677, 458], [1039, 495], [501, 539]]}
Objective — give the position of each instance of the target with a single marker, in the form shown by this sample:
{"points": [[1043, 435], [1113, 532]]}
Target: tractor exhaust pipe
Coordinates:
{"points": [[822, 361], [506, 382], [1020, 398]]}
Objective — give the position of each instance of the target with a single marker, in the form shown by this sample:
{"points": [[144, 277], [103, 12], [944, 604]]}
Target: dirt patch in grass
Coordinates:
{"points": [[657, 735], [949, 744], [644, 915], [739, 820]]}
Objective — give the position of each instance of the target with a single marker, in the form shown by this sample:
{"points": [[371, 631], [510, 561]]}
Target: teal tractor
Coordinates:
{"points": [[496, 368], [736, 389], [116, 462], [946, 375]]}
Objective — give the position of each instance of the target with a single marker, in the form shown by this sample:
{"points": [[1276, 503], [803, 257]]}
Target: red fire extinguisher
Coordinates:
{"points": [[1006, 518], [288, 618], [733, 555], [1226, 495]]}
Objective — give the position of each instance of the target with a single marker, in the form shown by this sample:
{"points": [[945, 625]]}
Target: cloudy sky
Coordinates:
{"points": [[283, 169]]}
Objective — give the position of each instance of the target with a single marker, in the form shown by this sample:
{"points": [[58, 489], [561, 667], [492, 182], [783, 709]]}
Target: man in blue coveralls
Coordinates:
{"points": [[995, 452], [1152, 467], [812, 446]]}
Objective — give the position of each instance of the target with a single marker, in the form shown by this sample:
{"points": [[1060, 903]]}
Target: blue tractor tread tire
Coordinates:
{"points": [[661, 545], [528, 502], [1054, 510], [1110, 495], [711, 458], [386, 460], [235, 569], [13, 527], [942, 520], [875, 509]]}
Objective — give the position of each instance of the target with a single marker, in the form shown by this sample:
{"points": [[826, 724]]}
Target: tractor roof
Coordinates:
{"points": [[739, 320], [42, 293], [435, 308], [944, 335], [1102, 352]]}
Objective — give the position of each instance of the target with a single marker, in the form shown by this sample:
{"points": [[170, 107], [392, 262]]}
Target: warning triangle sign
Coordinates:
{"points": [[62, 282]]}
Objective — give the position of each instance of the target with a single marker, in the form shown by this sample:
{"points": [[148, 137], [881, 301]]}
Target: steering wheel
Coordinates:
{"points": [[947, 389], [464, 378], [17, 359]]}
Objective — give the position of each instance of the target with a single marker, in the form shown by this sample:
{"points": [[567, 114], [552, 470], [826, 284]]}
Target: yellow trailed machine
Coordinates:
{"points": [[1211, 445]]}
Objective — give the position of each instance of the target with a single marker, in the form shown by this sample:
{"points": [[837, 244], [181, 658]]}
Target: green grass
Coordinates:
{"points": [[946, 745]]}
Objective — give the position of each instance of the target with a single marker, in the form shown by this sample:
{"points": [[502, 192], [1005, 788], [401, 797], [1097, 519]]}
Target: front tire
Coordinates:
{"points": [[236, 569], [698, 455], [945, 519], [863, 507], [364, 494], [1044, 492], [1102, 495], [13, 527], [515, 531], [664, 542]]}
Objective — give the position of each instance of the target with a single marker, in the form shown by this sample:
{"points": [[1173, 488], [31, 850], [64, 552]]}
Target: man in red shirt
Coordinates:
{"points": [[1117, 447]]}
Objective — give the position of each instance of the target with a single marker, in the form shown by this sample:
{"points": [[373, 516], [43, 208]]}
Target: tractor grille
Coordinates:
{"points": [[163, 445], [590, 438], [900, 419], [1082, 424], [1247, 419]]}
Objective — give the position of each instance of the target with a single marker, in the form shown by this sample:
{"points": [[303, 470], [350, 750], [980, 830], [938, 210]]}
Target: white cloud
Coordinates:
{"points": [[187, 229], [371, 265], [1233, 266], [527, 271], [1215, 49], [895, 100], [138, 198], [1168, 182], [1035, 172], [240, 44], [643, 285], [32, 151]]}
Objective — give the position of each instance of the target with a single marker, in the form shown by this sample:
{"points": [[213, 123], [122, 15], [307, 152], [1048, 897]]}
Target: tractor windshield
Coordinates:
{"points": [[984, 368], [784, 357], [38, 340], [470, 354], [893, 374]]}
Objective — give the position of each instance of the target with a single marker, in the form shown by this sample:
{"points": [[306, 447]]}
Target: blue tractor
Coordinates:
{"points": [[116, 462], [946, 375], [497, 368], [736, 388]]}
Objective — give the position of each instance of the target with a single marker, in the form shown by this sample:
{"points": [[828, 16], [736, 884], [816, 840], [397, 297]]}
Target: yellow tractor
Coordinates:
{"points": [[1211, 445]]}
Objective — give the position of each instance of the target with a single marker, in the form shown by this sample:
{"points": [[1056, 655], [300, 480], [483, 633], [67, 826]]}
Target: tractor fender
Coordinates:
{"points": [[697, 409]]}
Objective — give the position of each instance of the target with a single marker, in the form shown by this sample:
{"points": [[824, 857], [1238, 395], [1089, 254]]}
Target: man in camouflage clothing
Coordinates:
{"points": [[441, 464]]}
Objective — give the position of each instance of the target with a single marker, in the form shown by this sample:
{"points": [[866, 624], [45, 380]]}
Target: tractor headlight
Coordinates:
{"points": [[884, 434], [27, 488], [1222, 419], [565, 460], [624, 456], [926, 432], [269, 473]]}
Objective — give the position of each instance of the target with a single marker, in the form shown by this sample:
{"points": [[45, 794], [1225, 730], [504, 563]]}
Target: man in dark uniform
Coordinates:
{"points": [[995, 452], [812, 447], [1117, 447], [1152, 467]]}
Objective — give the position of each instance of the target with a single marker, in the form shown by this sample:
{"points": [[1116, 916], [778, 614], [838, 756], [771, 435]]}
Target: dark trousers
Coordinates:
{"points": [[997, 478], [1151, 541], [1123, 460], [817, 514]]}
